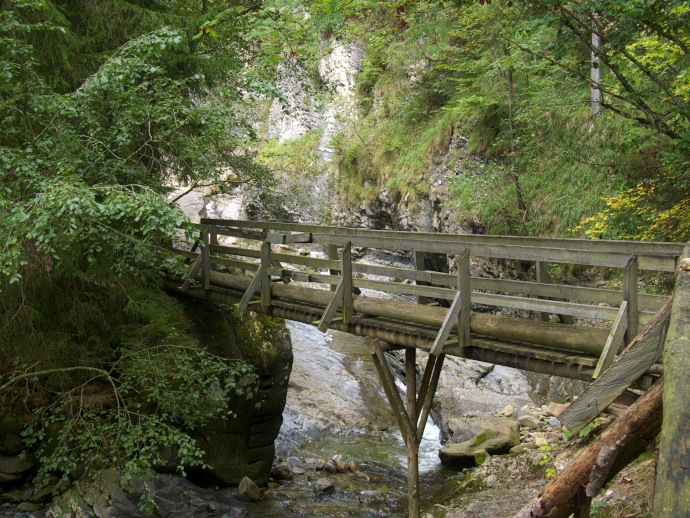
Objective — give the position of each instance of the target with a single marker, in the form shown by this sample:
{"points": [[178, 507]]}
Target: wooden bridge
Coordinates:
{"points": [[446, 313]]}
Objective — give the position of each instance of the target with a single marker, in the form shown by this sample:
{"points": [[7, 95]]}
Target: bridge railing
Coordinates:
{"points": [[625, 308]]}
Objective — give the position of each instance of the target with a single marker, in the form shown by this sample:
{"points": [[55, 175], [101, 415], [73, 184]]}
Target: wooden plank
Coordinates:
{"points": [[388, 382], [644, 351], [232, 263], [614, 342], [418, 258], [333, 256], [574, 338], [543, 277], [265, 279], [346, 269], [411, 386], [447, 326], [285, 239], [672, 488], [205, 262], [426, 401], [525, 253], [653, 255], [565, 292], [463, 267], [551, 306], [630, 295], [196, 267], [332, 307]]}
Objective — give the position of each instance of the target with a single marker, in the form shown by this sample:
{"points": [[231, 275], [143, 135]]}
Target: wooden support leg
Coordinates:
{"points": [[412, 443], [408, 416]]}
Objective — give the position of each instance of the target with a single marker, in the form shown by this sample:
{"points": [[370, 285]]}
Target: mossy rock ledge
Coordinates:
{"points": [[244, 443]]}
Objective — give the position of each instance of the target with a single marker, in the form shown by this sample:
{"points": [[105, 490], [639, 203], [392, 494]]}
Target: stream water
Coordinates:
{"points": [[336, 407]]}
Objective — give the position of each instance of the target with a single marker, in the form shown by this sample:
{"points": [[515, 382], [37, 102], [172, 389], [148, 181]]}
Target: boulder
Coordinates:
{"points": [[14, 465], [530, 421], [323, 486], [248, 491], [281, 471], [497, 438]]}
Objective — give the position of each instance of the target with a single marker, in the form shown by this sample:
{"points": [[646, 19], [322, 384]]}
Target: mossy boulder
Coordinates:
{"points": [[497, 438]]}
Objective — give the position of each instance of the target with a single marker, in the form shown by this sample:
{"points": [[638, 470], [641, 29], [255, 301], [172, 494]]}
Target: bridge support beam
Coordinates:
{"points": [[413, 414]]}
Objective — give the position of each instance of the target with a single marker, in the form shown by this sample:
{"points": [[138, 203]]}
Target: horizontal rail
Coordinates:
{"points": [[594, 295], [653, 255]]}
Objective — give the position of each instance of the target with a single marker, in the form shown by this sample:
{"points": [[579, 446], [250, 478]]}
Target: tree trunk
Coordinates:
{"points": [[573, 488], [595, 70]]}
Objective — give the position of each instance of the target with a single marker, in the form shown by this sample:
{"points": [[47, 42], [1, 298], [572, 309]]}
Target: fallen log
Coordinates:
{"points": [[572, 490], [588, 340]]}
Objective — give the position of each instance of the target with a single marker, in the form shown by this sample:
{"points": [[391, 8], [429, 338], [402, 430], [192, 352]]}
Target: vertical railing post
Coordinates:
{"points": [[346, 272], [419, 265], [333, 256], [543, 278], [266, 280], [205, 259], [630, 295], [463, 265]]}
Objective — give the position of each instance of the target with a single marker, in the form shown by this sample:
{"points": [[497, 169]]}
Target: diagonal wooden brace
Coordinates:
{"points": [[447, 326], [261, 280], [427, 392], [614, 341], [332, 307], [396, 402]]}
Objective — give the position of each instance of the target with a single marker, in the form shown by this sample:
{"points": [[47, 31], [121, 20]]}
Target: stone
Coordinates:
{"points": [[28, 493], [556, 409], [530, 421], [248, 491], [553, 421], [521, 448], [315, 464], [490, 481], [323, 486], [497, 438], [553, 437], [508, 411], [541, 441], [281, 471], [27, 507], [329, 467], [14, 465]]}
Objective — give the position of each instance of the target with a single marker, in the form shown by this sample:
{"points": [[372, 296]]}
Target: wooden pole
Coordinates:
{"points": [[672, 489], [406, 415], [412, 443]]}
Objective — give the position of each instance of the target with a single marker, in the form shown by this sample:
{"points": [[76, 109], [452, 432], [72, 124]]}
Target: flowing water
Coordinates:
{"points": [[336, 407]]}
